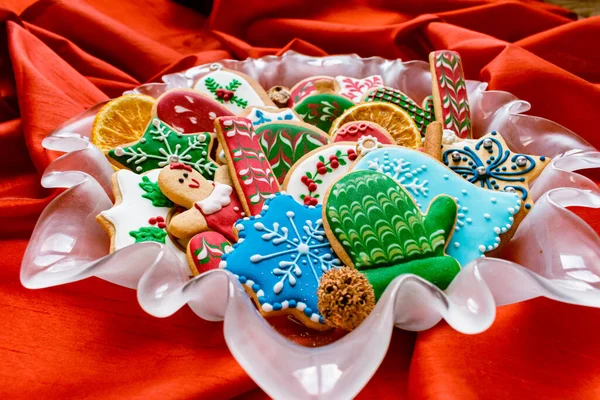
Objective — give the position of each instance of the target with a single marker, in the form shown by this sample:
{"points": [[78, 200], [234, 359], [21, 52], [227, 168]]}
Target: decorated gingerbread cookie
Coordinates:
{"points": [[427, 104], [264, 115], [391, 117], [312, 175], [490, 164], [322, 109], [372, 222], [355, 130], [449, 88], [485, 219], [284, 143], [140, 211], [249, 167], [161, 145], [280, 258], [354, 88], [308, 86], [188, 111], [205, 250], [234, 90], [421, 116], [212, 206]]}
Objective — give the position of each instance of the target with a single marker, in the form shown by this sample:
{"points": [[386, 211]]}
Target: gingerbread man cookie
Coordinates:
{"points": [[212, 206]]}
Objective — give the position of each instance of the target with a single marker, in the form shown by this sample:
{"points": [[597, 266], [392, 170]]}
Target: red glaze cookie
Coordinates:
{"points": [[188, 111], [353, 131], [204, 251]]}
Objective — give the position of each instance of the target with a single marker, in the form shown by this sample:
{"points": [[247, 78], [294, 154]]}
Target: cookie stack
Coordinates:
{"points": [[317, 196]]}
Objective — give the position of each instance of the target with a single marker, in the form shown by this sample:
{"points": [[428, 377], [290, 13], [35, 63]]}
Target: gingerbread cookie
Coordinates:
{"points": [[250, 170], [354, 89], [490, 164], [188, 111], [161, 145], [449, 88], [433, 140], [212, 206], [264, 115], [284, 143], [484, 217], [309, 86], [421, 116], [355, 130], [427, 104], [280, 258], [322, 109], [315, 172], [391, 117], [235, 90], [374, 225], [140, 211], [205, 250]]}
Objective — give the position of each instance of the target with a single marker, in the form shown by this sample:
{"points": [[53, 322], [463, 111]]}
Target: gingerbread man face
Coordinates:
{"points": [[184, 185]]}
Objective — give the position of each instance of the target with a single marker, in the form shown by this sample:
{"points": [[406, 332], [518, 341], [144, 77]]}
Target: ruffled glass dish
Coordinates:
{"points": [[553, 253]]}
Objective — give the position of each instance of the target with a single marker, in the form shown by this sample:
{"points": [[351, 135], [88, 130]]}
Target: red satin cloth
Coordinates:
{"points": [[91, 339]]}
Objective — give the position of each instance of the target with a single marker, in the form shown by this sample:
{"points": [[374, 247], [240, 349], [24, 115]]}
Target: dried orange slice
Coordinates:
{"points": [[122, 120], [391, 117]]}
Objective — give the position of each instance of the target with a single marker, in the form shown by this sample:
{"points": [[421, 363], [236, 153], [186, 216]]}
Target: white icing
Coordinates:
{"points": [[295, 187], [220, 197], [134, 211], [245, 91], [354, 89], [260, 117], [449, 137], [181, 109]]}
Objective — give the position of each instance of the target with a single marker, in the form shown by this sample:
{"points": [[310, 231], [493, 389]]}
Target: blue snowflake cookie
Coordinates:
{"points": [[280, 257]]}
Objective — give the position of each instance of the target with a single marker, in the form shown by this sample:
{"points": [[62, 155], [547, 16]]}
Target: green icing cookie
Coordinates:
{"points": [[322, 109], [286, 143], [161, 145], [384, 234]]}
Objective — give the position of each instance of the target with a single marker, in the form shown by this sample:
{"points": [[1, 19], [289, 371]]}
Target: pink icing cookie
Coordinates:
{"points": [[188, 111], [354, 89], [353, 131]]}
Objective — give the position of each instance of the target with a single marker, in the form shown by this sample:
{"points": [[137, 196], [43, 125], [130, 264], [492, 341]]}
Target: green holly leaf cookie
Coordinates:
{"points": [[149, 234], [384, 234]]}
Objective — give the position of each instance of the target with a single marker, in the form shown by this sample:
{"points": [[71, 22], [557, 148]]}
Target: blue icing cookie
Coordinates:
{"points": [[281, 255], [483, 215], [261, 116]]}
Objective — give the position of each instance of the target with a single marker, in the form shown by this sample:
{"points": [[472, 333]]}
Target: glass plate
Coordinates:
{"points": [[68, 245]]}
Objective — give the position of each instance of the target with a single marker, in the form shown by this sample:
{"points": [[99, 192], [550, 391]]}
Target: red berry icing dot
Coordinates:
{"points": [[152, 221]]}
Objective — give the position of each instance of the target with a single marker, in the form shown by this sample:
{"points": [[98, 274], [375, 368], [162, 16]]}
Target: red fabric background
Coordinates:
{"points": [[91, 339]]}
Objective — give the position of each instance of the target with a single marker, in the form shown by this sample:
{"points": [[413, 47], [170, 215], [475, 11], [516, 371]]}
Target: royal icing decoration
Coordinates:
{"points": [[141, 215], [354, 89], [206, 250], [281, 256], [260, 116], [424, 178], [383, 232], [251, 173], [389, 95], [355, 130], [313, 175], [389, 116], [230, 89], [161, 145], [219, 198], [305, 87], [489, 163], [284, 144], [450, 99], [322, 109], [427, 104], [188, 111]]}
